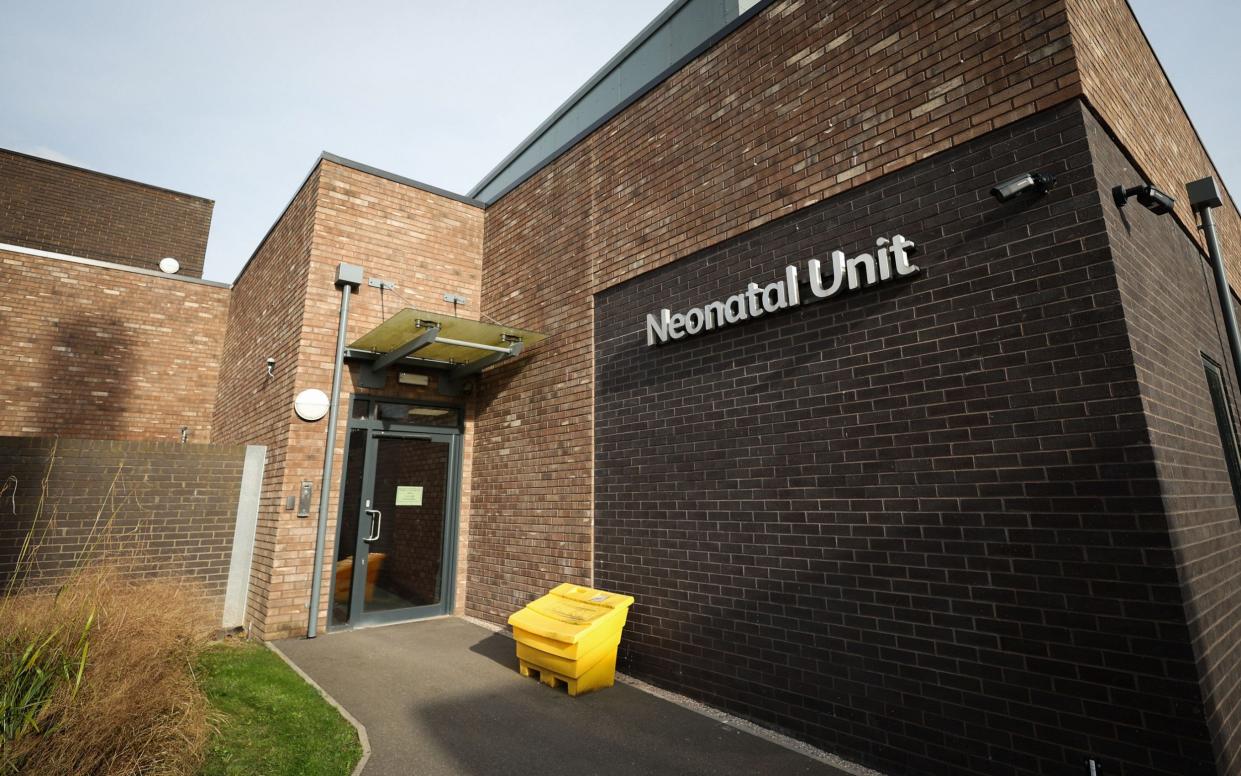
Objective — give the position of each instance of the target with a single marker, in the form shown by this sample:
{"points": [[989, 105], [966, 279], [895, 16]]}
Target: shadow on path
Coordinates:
{"points": [[443, 697]]}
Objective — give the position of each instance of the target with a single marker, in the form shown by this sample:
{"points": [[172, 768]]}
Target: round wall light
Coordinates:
{"points": [[311, 404], [169, 265]]}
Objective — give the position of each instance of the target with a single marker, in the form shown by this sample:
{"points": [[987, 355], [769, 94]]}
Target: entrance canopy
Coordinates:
{"points": [[457, 346]]}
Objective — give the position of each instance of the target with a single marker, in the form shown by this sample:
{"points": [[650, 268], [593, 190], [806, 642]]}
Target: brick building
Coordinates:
{"points": [[974, 512]]}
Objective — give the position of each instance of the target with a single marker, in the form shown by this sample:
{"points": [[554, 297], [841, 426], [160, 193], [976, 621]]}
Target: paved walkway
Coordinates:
{"points": [[443, 697]]}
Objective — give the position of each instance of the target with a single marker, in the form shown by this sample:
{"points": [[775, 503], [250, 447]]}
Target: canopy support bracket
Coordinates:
{"points": [[376, 375], [450, 384]]}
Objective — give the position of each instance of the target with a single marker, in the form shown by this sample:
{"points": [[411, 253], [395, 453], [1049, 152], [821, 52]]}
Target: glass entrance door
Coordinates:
{"points": [[398, 522]]}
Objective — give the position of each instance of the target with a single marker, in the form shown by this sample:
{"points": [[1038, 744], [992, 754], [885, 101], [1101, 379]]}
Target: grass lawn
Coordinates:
{"points": [[269, 721]]}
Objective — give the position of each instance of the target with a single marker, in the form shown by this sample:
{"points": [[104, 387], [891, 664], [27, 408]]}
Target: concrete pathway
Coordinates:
{"points": [[443, 698]]}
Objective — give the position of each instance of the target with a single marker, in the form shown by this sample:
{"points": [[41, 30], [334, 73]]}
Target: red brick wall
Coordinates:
{"points": [[106, 353], [287, 305], [1172, 315], [55, 207], [426, 244], [265, 320], [806, 100], [1125, 83]]}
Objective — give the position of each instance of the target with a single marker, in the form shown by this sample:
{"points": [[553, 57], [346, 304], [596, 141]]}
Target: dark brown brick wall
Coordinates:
{"points": [[918, 525], [1173, 317], [56, 207], [106, 353], [153, 508]]}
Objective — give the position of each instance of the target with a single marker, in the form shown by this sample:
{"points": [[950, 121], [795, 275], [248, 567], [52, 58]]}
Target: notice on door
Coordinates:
{"points": [[409, 495]]}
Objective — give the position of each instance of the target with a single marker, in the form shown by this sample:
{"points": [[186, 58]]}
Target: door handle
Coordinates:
{"points": [[376, 522]]}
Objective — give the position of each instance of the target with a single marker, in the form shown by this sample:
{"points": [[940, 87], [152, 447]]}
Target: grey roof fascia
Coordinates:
{"points": [[23, 250], [594, 80], [366, 168], [638, 94], [272, 228]]}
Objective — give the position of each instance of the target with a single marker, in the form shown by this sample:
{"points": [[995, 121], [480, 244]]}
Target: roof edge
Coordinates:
{"points": [[66, 165], [279, 218], [23, 250], [325, 156], [1219, 176], [401, 179], [581, 92], [744, 16]]}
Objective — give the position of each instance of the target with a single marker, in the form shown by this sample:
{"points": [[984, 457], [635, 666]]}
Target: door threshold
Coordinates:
{"points": [[368, 625]]}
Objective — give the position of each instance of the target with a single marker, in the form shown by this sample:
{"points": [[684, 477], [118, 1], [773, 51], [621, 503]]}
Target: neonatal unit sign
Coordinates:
{"points": [[890, 260]]}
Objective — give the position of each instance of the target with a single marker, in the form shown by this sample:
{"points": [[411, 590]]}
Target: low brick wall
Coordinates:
{"points": [[152, 507]]}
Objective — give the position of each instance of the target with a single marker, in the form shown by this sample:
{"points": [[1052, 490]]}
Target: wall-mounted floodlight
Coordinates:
{"points": [[1148, 196], [1033, 182]]}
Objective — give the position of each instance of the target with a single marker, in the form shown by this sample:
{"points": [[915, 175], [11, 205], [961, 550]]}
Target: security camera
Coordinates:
{"points": [[1037, 182], [1148, 196], [271, 367]]}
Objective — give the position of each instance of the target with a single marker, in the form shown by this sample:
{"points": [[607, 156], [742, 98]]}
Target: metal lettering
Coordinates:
{"points": [[891, 260]]}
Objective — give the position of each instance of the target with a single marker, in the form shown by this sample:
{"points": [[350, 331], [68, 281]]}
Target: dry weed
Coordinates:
{"points": [[135, 708]]}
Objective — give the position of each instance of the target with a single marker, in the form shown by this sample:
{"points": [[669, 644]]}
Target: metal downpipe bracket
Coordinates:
{"points": [[1203, 197], [348, 277]]}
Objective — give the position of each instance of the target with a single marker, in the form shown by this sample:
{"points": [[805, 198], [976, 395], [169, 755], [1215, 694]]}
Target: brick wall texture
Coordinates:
{"points": [[1124, 82], [265, 321], [55, 207], [99, 353], [1173, 317], [804, 101], [920, 524], [1041, 578], [150, 508], [286, 305]]}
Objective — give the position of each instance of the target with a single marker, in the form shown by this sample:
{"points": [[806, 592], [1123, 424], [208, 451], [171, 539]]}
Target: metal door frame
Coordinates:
{"points": [[375, 430]]}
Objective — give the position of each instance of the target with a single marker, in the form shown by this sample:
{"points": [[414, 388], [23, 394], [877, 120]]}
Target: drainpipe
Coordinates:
{"points": [[1203, 197], [348, 278]]}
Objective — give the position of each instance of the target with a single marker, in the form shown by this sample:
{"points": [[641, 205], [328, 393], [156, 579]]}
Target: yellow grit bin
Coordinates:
{"points": [[570, 637]]}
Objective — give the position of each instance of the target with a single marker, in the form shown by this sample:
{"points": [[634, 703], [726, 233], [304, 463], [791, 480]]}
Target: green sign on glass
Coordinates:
{"points": [[409, 495]]}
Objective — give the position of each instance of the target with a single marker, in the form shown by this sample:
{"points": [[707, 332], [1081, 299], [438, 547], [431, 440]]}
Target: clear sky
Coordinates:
{"points": [[234, 100]]}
